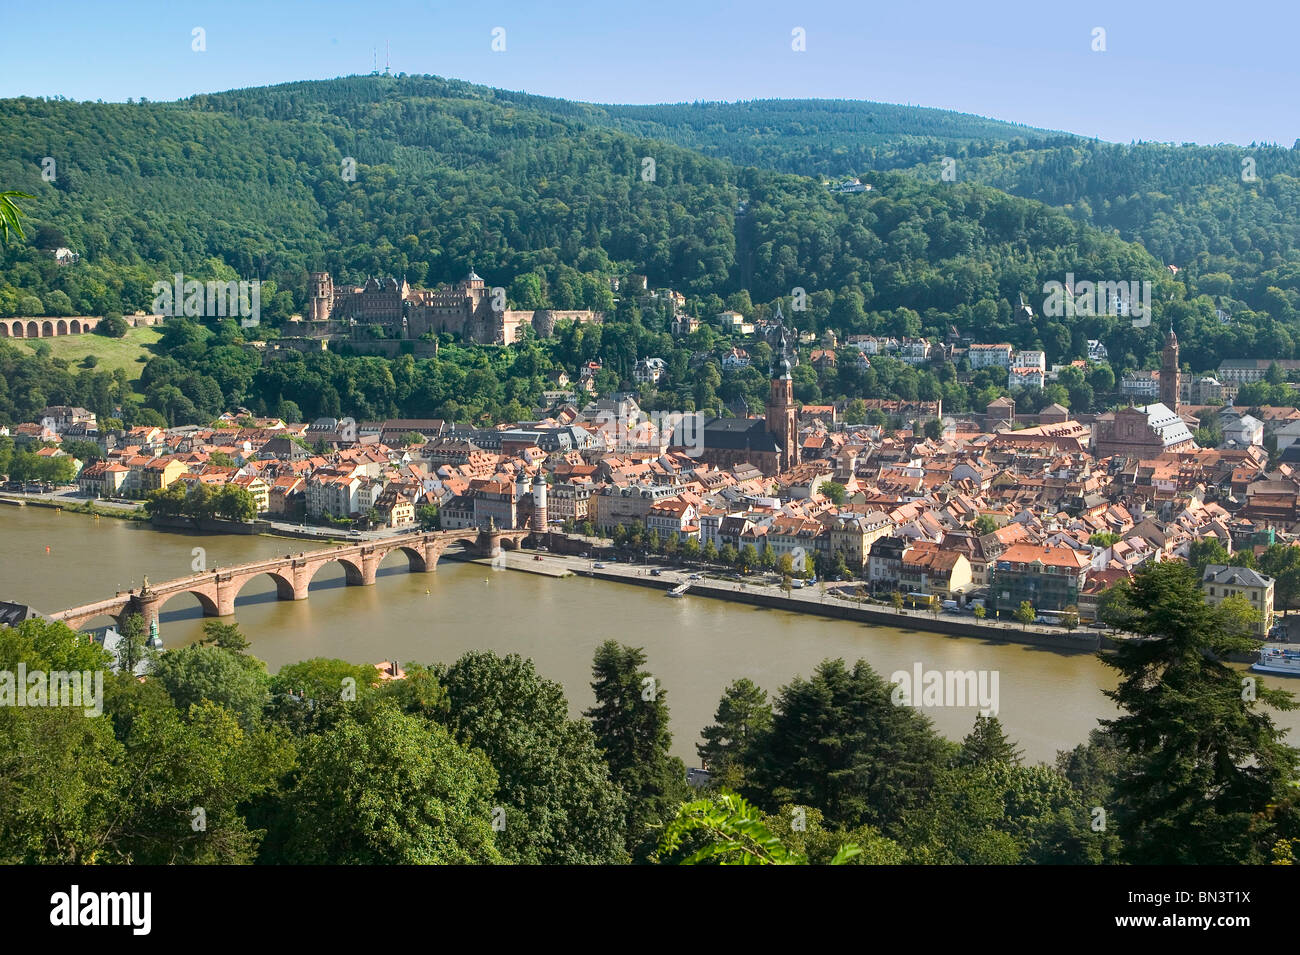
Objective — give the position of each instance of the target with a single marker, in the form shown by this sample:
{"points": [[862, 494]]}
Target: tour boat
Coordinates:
{"points": [[680, 589], [1281, 660]]}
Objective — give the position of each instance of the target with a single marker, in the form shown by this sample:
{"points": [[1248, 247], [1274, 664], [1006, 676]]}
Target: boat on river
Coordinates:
{"points": [[1284, 661]]}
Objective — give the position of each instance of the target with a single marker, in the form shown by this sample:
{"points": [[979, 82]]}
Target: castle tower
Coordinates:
{"points": [[780, 402], [539, 504], [320, 297], [1169, 372]]}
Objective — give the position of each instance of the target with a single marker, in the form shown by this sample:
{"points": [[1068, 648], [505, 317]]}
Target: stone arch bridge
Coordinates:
{"points": [[216, 590]]}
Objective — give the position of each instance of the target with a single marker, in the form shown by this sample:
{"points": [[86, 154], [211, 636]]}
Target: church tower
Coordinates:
{"points": [[780, 402], [1169, 373]]}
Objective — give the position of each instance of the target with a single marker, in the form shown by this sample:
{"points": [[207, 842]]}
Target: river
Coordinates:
{"points": [[694, 646]]}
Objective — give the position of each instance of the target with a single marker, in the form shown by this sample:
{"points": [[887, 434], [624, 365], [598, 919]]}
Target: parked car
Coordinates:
{"points": [[696, 577], [656, 572], [598, 565]]}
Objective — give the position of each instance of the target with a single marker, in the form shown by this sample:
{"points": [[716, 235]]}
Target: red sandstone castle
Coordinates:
{"points": [[469, 309]]}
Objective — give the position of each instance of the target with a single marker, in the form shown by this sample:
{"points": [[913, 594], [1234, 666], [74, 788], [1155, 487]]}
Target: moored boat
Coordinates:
{"points": [[1284, 661]]}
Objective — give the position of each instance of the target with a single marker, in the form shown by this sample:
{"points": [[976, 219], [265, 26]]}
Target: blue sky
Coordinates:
{"points": [[1178, 72]]}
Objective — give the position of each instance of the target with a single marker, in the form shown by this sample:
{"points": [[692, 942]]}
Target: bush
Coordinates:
{"points": [[113, 326]]}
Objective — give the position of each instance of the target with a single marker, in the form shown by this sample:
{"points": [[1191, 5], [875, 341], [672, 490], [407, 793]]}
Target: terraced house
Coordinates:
{"points": [[926, 569], [1219, 582], [1049, 576]]}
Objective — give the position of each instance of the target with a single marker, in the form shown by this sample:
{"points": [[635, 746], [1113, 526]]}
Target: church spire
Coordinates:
{"points": [[1170, 373]]}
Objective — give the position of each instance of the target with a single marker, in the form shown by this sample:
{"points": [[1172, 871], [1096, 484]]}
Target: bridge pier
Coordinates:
{"points": [[146, 607], [432, 554], [370, 566], [488, 543], [302, 574]]}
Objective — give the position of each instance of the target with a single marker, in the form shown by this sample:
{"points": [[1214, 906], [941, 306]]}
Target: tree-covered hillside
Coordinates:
{"points": [[548, 199], [1229, 210], [449, 174], [814, 137]]}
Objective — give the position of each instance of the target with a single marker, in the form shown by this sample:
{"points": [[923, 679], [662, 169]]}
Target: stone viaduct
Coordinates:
{"points": [[47, 327], [217, 589]]}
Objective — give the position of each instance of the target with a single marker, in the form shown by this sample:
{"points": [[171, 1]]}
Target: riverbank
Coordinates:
{"points": [[842, 608], [1050, 699], [752, 592], [84, 506]]}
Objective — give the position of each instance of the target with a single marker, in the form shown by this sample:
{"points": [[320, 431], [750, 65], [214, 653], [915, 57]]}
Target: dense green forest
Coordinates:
{"points": [[818, 137], [212, 760], [1228, 210], [550, 199]]}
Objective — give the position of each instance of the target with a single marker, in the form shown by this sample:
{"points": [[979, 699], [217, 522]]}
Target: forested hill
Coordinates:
{"points": [[449, 175], [1223, 208], [550, 200], [816, 137]]}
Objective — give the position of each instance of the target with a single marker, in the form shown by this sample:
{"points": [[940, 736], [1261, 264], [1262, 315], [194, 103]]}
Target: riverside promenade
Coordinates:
{"points": [[815, 600]]}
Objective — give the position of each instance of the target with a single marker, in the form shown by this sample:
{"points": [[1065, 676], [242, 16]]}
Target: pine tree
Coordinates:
{"points": [[987, 744], [743, 714], [630, 720], [1207, 762], [838, 743]]}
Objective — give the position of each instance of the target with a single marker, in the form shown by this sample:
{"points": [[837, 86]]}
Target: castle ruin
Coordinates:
{"points": [[468, 309]]}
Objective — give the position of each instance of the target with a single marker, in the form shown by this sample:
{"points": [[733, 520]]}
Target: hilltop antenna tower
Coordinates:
{"points": [[387, 59]]}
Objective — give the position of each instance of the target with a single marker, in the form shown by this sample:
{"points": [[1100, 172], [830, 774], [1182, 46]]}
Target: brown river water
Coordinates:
{"points": [[695, 646]]}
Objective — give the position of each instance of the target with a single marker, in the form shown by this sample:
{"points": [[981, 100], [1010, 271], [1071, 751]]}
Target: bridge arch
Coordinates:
{"points": [[206, 602], [415, 562], [283, 585], [97, 621], [47, 329], [352, 570], [75, 327], [33, 330]]}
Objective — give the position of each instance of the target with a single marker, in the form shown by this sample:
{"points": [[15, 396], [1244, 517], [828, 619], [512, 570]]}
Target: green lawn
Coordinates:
{"points": [[112, 353]]}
